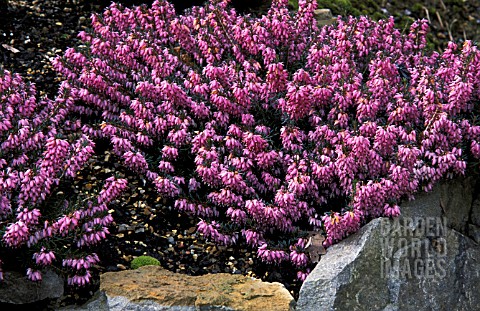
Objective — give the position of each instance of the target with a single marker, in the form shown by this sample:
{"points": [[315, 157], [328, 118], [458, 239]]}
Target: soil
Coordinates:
{"points": [[32, 32]]}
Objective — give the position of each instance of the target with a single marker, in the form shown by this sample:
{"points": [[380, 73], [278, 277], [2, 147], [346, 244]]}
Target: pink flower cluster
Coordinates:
{"points": [[278, 126], [80, 269], [41, 147]]}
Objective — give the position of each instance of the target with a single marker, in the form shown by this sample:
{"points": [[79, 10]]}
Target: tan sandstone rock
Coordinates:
{"points": [[208, 292]]}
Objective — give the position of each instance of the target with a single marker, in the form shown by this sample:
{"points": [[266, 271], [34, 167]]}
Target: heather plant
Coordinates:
{"points": [[41, 150], [267, 127]]}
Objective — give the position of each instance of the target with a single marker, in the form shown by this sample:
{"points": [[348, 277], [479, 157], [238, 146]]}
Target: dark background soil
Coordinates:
{"points": [[32, 32]]}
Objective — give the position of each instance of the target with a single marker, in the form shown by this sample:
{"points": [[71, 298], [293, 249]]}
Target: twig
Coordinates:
{"points": [[443, 5], [428, 14], [449, 27], [439, 20]]}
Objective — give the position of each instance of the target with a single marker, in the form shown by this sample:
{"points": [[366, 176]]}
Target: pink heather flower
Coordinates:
{"points": [[211, 231], [92, 236], [237, 215], [302, 275], [47, 231], [248, 119], [391, 211], [79, 280], [29, 217], [166, 187], [208, 230], [16, 234], [121, 145], [178, 138], [301, 243], [242, 163], [55, 153], [225, 197], [352, 221], [44, 258], [169, 153], [81, 263], [252, 237], [475, 149], [83, 150], [135, 161], [165, 167], [112, 188], [66, 224], [233, 180], [271, 256], [222, 118], [233, 144], [334, 228], [254, 142], [185, 206], [193, 184], [266, 160], [235, 131], [34, 275], [298, 259]]}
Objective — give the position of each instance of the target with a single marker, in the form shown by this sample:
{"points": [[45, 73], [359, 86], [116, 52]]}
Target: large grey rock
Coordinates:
{"points": [[474, 232], [153, 288], [474, 225], [456, 199], [98, 302], [415, 262], [17, 289], [475, 214], [338, 267]]}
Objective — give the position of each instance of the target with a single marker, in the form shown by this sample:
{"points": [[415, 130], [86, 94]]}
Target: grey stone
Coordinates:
{"points": [[419, 261], [97, 303], [475, 214], [474, 232], [324, 17], [424, 204], [323, 14], [17, 289], [336, 269], [456, 198]]}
